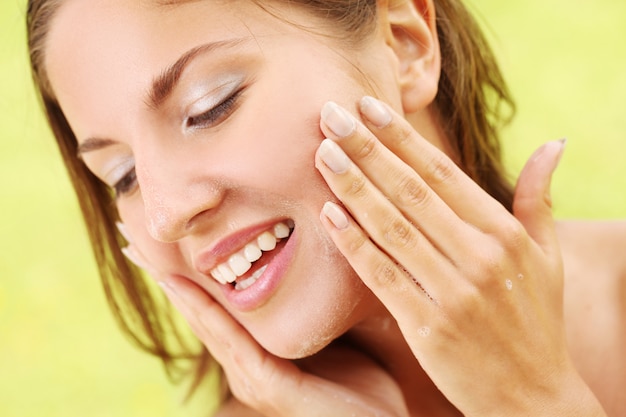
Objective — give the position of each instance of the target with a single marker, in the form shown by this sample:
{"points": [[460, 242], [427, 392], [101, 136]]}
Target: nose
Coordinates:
{"points": [[178, 194]]}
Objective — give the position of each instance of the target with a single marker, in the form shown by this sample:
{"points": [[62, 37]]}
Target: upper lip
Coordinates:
{"points": [[219, 252]]}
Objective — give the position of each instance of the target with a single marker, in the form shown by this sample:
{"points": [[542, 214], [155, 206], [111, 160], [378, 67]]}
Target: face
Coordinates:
{"points": [[204, 118]]}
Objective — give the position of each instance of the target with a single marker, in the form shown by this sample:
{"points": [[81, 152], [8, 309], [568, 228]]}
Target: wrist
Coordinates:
{"points": [[572, 397]]}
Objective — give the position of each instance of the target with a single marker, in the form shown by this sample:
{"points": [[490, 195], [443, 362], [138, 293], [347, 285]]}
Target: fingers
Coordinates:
{"points": [[392, 283], [532, 204], [268, 384], [410, 208], [380, 181], [436, 168], [255, 377]]}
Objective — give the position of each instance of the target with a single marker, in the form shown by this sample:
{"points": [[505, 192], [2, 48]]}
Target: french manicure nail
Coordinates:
{"points": [[338, 119], [336, 216], [333, 156], [175, 298], [132, 256], [375, 111], [121, 227]]}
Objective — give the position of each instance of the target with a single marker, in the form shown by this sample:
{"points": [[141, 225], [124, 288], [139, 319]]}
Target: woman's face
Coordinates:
{"points": [[204, 116]]}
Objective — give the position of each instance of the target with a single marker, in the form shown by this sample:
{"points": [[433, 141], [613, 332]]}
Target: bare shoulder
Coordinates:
{"points": [[606, 239], [234, 408], [594, 257]]}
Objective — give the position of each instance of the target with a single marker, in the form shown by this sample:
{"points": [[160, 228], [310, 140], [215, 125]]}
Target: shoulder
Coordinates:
{"points": [[600, 238], [594, 251], [594, 258]]}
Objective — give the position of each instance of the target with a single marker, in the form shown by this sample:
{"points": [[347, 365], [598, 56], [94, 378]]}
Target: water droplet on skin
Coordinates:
{"points": [[509, 284], [424, 331]]}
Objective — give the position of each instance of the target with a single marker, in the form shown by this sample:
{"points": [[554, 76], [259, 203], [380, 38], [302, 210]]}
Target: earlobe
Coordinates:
{"points": [[412, 35]]}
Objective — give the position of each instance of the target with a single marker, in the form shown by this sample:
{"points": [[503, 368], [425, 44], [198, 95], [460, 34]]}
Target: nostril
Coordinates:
{"points": [[167, 225], [161, 224], [176, 208]]}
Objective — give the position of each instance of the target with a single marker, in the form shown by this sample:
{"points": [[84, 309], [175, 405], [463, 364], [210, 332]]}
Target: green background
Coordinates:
{"points": [[60, 352]]}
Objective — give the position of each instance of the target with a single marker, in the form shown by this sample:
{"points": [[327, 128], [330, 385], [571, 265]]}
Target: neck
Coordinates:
{"points": [[380, 338]]}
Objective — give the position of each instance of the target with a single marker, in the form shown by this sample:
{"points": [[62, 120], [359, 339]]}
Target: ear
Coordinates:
{"points": [[411, 33]]}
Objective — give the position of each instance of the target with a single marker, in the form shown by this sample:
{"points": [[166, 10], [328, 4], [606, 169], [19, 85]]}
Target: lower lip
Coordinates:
{"points": [[259, 293]]}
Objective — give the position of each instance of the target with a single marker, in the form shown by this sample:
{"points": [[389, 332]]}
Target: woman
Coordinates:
{"points": [[331, 259]]}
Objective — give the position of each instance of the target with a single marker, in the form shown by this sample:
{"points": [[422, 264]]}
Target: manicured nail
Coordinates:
{"points": [[175, 298], [121, 227], [338, 119], [132, 255], [336, 216], [375, 111], [539, 153], [563, 142], [333, 156]]}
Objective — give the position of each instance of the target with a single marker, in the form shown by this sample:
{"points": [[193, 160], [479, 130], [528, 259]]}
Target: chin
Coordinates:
{"points": [[301, 335]]}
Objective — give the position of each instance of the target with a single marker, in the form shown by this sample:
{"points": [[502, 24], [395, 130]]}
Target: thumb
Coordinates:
{"points": [[532, 203]]}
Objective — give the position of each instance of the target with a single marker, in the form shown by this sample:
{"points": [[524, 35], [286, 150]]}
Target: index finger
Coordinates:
{"points": [[460, 192]]}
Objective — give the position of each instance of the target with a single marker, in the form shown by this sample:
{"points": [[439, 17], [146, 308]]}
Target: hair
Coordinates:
{"points": [[472, 103]]}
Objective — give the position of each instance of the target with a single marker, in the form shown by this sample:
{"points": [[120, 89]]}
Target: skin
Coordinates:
{"points": [[195, 187]]}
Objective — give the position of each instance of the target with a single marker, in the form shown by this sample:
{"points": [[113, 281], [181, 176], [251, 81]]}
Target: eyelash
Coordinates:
{"points": [[204, 120], [125, 184], [214, 115]]}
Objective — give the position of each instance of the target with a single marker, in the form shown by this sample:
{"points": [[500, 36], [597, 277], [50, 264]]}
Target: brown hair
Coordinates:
{"points": [[472, 102]]}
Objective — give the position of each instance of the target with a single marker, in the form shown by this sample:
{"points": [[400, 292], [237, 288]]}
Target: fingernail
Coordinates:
{"points": [[333, 156], [174, 296], [132, 255], [539, 153], [375, 111], [336, 216], [338, 119], [563, 142], [121, 227]]}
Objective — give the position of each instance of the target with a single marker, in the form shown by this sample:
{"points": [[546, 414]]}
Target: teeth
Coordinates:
{"points": [[266, 241], [281, 231], [240, 286], [241, 262], [227, 274], [218, 276], [252, 252]]}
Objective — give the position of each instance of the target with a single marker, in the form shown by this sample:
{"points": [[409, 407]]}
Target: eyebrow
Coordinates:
{"points": [[163, 85], [94, 144]]}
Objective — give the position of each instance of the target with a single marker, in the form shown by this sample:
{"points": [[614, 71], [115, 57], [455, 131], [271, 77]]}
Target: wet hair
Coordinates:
{"points": [[472, 104]]}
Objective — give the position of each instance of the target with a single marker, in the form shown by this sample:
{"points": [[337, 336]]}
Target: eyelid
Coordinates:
{"points": [[117, 172], [213, 98]]}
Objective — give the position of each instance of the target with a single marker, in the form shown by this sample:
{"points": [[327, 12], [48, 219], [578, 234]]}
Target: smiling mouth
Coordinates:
{"points": [[245, 267]]}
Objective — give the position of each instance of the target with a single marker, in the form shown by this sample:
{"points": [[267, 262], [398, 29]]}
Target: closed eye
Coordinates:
{"points": [[215, 115], [126, 184]]}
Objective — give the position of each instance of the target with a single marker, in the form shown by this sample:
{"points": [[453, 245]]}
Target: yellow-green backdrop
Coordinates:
{"points": [[60, 352]]}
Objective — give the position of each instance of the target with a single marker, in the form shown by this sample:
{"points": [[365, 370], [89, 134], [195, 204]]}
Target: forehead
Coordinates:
{"points": [[111, 50]]}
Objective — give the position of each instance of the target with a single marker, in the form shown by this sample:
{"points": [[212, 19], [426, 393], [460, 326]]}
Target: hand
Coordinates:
{"points": [[339, 381], [476, 291]]}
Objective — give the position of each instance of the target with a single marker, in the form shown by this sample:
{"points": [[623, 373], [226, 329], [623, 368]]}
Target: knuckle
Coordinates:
{"points": [[512, 235], [411, 192], [385, 273], [358, 186], [367, 149], [256, 383], [486, 266], [399, 233], [439, 169], [357, 244], [404, 137]]}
